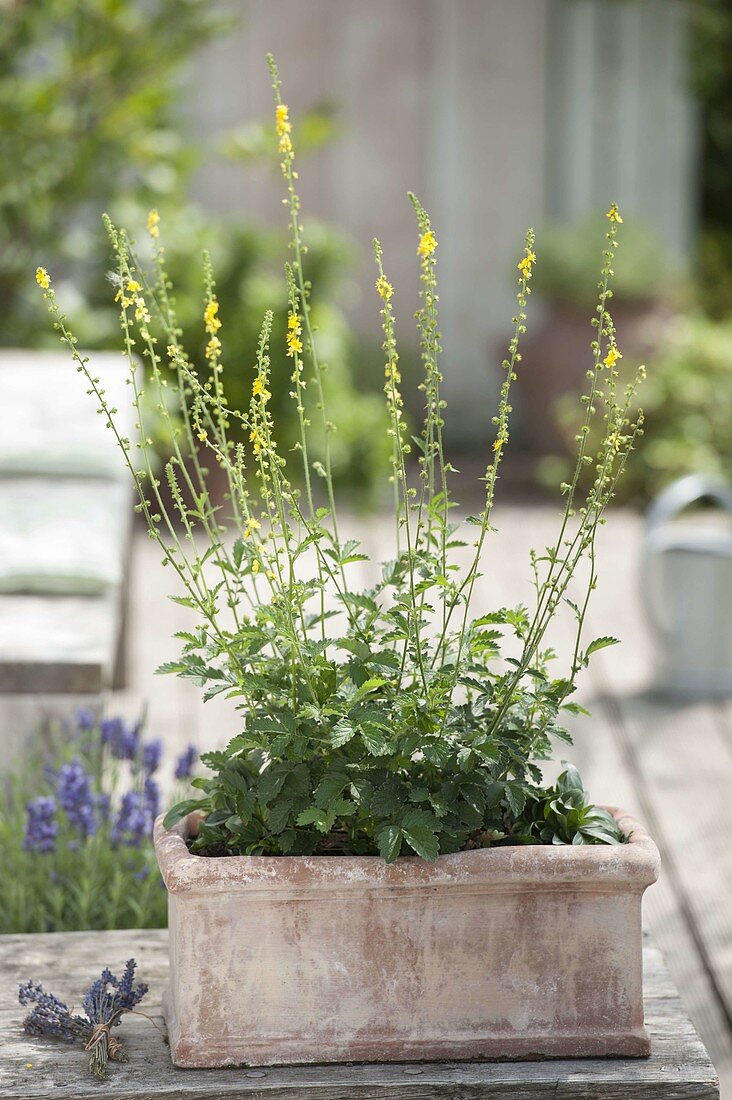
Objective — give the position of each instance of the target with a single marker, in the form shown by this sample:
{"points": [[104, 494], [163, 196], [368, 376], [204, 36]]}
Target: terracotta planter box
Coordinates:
{"points": [[521, 952]]}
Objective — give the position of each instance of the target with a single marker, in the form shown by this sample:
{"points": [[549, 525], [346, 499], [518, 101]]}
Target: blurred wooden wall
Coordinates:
{"points": [[474, 104]]}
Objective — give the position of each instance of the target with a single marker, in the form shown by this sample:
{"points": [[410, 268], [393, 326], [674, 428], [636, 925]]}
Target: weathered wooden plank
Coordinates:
{"points": [[54, 430], [678, 1069]]}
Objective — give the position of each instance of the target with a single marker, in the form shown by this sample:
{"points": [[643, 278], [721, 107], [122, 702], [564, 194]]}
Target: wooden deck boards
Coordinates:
{"points": [[669, 763], [678, 1068]]}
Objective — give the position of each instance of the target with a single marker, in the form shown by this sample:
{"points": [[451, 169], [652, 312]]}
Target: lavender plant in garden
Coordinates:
{"points": [[104, 1003], [84, 858]]}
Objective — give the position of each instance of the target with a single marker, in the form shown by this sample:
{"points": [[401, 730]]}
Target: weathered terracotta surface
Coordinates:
{"points": [[496, 953]]}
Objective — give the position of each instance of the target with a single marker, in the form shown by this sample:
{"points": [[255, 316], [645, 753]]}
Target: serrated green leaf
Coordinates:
{"points": [[601, 643], [389, 840], [423, 841]]}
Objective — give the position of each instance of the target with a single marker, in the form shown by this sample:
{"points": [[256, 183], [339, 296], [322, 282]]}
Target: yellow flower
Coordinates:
{"points": [[210, 320], [524, 265], [259, 389], [614, 214], [294, 328], [498, 446], [255, 566], [294, 344], [256, 441], [427, 244], [384, 288], [213, 347], [286, 145], [172, 350], [612, 357], [133, 287], [203, 435], [153, 220], [282, 122], [392, 373], [43, 278], [270, 574], [252, 525], [141, 312]]}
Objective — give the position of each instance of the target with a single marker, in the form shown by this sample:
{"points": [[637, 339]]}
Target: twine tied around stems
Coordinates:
{"points": [[103, 1047]]}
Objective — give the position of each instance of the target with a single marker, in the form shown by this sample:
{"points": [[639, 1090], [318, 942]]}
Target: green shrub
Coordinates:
{"points": [[687, 405], [379, 713]]}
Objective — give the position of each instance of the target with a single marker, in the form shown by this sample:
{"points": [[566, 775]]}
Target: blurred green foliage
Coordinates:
{"points": [[687, 401], [87, 96], [711, 69], [568, 257], [89, 93]]}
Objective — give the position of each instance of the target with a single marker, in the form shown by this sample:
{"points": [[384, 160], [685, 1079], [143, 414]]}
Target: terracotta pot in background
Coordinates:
{"points": [[516, 952], [555, 360]]}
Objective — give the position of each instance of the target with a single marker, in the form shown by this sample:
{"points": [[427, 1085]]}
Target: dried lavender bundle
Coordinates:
{"points": [[105, 1002]]}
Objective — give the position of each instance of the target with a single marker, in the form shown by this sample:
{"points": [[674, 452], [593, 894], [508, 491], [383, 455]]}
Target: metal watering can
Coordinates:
{"points": [[687, 587]]}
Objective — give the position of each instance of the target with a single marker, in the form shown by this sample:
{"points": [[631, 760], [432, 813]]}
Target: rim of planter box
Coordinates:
{"points": [[633, 865]]}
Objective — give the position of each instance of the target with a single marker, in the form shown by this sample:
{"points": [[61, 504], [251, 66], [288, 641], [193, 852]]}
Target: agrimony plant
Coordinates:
{"points": [[378, 718]]}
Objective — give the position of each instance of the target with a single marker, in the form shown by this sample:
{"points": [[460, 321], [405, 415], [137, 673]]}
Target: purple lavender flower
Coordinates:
{"points": [[103, 804], [76, 796], [86, 719], [186, 762], [108, 997], [41, 829], [152, 798], [152, 754], [49, 1016], [123, 740], [137, 814]]}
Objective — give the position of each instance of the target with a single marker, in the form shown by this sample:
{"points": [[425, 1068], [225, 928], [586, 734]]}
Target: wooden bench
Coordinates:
{"points": [[65, 536], [678, 1069]]}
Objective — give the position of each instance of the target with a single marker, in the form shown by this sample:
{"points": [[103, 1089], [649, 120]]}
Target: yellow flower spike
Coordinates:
{"points": [[427, 244], [43, 278], [384, 288], [294, 328], [614, 214], [256, 441], [612, 357], [153, 221], [260, 390], [210, 320], [213, 347], [282, 121], [526, 263]]}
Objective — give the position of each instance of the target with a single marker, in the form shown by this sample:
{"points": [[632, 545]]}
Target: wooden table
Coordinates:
{"points": [[678, 1069]]}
